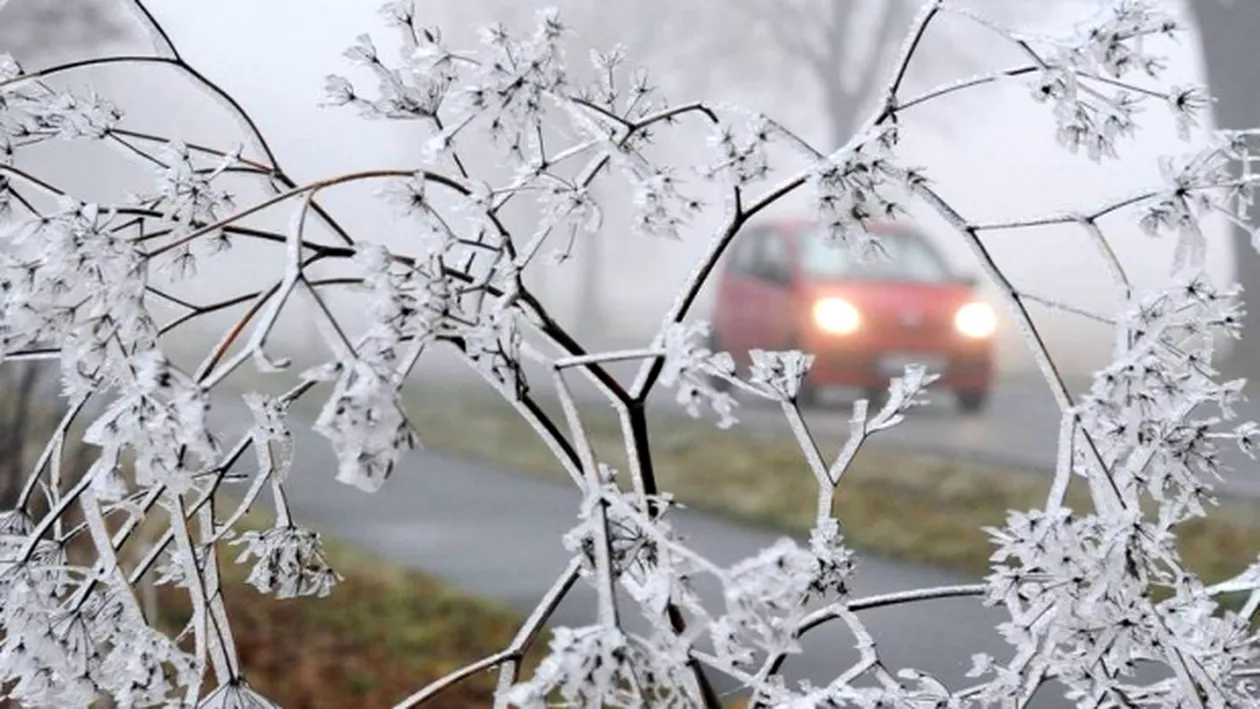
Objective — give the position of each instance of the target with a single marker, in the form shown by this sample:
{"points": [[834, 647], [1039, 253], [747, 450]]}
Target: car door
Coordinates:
{"points": [[735, 290], [772, 305]]}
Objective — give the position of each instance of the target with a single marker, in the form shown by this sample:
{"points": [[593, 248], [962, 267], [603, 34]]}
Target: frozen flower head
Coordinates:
{"points": [[642, 545], [604, 667], [859, 183], [835, 560], [1093, 81], [741, 153], [780, 373], [364, 422], [767, 594], [148, 669], [288, 562], [691, 367]]}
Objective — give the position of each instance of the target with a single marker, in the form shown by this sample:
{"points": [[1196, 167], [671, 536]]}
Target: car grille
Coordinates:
{"points": [[924, 327]]}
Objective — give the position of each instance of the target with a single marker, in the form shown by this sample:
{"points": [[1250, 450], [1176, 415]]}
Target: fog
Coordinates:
{"points": [[990, 151]]}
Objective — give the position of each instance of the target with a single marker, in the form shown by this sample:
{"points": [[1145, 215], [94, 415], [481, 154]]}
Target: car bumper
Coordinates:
{"points": [[964, 365]]}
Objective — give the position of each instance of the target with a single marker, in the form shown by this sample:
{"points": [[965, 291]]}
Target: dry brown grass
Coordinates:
{"points": [[382, 634]]}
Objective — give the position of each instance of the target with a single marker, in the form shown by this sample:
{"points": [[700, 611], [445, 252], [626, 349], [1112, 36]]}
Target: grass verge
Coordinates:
{"points": [[382, 634], [914, 507]]}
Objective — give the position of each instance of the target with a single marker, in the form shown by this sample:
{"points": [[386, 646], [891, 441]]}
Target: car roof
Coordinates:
{"points": [[876, 226]]}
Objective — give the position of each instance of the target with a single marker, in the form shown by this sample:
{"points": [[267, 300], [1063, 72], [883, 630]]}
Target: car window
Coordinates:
{"points": [[744, 250], [773, 260], [909, 257]]}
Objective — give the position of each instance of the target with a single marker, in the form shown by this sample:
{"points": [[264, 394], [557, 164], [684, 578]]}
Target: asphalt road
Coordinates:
{"points": [[1018, 427], [498, 535]]}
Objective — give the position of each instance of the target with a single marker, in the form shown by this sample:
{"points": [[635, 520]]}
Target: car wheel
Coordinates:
{"points": [[807, 395], [875, 398], [972, 401], [719, 384]]}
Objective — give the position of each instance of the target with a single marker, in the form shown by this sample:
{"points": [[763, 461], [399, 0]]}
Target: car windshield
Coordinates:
{"points": [[909, 258]]}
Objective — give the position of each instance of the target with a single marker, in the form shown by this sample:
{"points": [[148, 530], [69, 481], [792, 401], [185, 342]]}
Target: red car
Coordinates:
{"points": [[784, 286]]}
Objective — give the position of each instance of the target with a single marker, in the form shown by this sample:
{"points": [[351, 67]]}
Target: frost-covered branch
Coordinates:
{"points": [[1087, 593]]}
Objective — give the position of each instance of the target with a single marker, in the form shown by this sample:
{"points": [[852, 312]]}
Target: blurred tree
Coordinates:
{"points": [[831, 53], [1228, 30], [30, 411], [34, 31], [837, 46], [18, 388], [34, 28]]}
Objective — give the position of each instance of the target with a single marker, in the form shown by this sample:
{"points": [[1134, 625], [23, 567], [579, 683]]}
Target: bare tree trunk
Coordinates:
{"points": [[18, 385], [35, 29], [1228, 32], [590, 304], [841, 111], [844, 105], [590, 300]]}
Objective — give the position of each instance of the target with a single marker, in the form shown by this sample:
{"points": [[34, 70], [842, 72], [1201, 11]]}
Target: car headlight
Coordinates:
{"points": [[837, 316], [975, 320]]}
